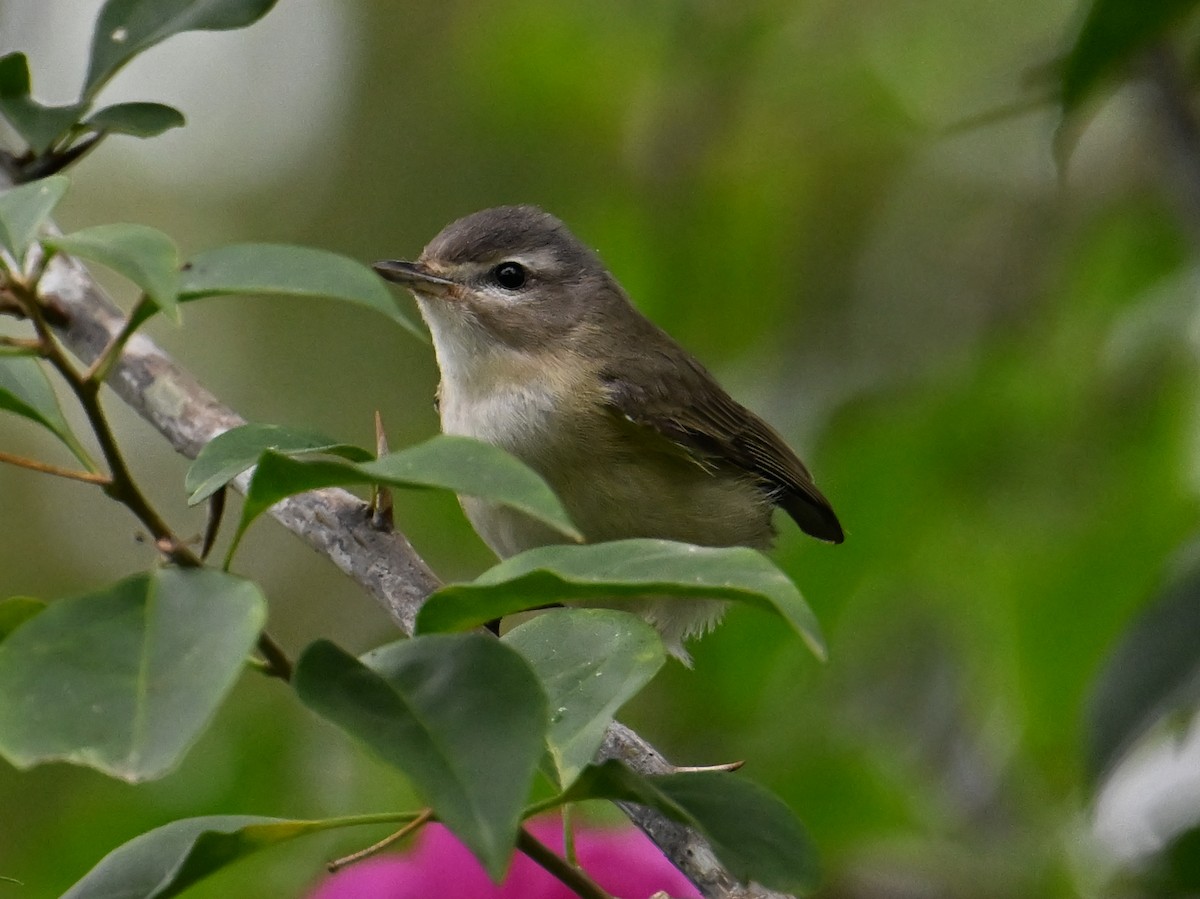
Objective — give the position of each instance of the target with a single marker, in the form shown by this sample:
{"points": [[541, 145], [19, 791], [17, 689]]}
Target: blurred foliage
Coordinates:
{"points": [[992, 372]]}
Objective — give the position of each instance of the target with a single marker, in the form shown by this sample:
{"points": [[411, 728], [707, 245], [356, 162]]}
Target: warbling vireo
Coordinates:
{"points": [[542, 353]]}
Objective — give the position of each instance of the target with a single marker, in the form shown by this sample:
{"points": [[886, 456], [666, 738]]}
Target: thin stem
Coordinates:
{"points": [[568, 826], [371, 818], [88, 477], [546, 805], [103, 364], [56, 161], [277, 663], [30, 345], [212, 522], [121, 485], [571, 877], [416, 824], [705, 769]]}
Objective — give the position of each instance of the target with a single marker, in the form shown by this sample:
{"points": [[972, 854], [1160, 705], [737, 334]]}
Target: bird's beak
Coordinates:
{"points": [[415, 277]]}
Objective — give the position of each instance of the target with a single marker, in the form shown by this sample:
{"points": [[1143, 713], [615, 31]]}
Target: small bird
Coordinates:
{"points": [[542, 353]]}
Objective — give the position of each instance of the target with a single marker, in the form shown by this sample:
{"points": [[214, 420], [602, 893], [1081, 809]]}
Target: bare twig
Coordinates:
{"points": [[411, 827], [278, 664], [88, 477]]}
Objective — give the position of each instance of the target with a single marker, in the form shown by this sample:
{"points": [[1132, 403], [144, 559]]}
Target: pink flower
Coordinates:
{"points": [[624, 862]]}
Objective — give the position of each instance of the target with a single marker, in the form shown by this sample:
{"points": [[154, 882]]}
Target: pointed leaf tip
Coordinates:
{"points": [[444, 462], [278, 269], [126, 28], [590, 662], [462, 716], [230, 453], [752, 831]]}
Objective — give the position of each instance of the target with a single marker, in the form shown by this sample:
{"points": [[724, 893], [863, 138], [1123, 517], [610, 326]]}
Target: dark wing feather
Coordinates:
{"points": [[717, 432]]}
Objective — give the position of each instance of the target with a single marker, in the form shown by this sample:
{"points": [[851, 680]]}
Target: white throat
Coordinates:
{"points": [[489, 390]]}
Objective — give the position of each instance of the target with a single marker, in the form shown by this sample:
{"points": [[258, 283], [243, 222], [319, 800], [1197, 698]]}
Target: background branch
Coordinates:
{"points": [[333, 522]]}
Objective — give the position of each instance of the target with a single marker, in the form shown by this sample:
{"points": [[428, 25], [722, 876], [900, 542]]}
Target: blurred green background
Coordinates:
{"points": [[991, 370]]}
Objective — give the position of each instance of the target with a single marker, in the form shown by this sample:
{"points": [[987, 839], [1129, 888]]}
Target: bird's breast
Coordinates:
{"points": [[523, 414], [535, 417]]}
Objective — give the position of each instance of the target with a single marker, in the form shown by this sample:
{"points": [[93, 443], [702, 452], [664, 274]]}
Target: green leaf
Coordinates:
{"points": [[38, 125], [274, 269], [623, 569], [137, 119], [23, 209], [1112, 34], [462, 716], [145, 256], [446, 462], [590, 663], [751, 830], [229, 454], [15, 611], [25, 390], [14, 75], [167, 860], [126, 28], [1153, 671], [124, 679]]}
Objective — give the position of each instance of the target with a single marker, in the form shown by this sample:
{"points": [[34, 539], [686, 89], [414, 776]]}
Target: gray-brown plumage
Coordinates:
{"points": [[542, 353]]}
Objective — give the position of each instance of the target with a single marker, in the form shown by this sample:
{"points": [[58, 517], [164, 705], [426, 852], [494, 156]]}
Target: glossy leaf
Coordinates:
{"points": [[462, 716], [24, 209], [446, 462], [590, 663], [167, 860], [751, 830], [229, 454], [279, 269], [1153, 671], [1112, 34], [126, 28], [38, 125], [124, 679], [136, 119], [623, 569], [26, 390], [145, 256], [15, 611]]}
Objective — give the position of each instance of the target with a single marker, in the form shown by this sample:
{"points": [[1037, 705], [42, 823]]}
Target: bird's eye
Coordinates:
{"points": [[509, 275]]}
